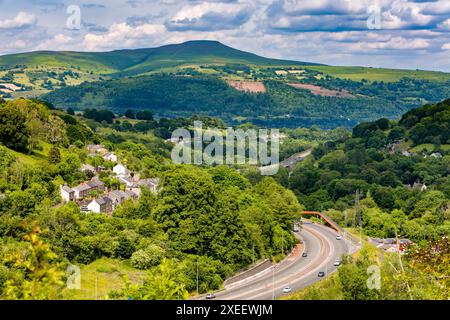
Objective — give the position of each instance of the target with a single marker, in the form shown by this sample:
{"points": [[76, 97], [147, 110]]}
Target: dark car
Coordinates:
{"points": [[304, 254], [210, 296], [321, 274]]}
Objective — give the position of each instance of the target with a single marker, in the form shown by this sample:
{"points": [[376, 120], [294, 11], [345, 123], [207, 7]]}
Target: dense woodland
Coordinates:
{"points": [[281, 106], [389, 182]]}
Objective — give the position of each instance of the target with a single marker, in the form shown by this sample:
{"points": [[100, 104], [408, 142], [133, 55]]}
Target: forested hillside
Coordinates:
{"points": [[211, 216], [402, 191], [280, 106]]}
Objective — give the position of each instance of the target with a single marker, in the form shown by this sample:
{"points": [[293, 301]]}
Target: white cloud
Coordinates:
{"points": [[394, 43], [446, 46], [124, 36], [58, 42], [445, 25], [23, 19], [211, 16]]}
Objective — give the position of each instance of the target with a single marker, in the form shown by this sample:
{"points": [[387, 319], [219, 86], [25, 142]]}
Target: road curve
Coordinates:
{"points": [[296, 272]]}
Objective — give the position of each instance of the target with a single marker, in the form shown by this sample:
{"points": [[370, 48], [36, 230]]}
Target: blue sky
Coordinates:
{"points": [[403, 33]]}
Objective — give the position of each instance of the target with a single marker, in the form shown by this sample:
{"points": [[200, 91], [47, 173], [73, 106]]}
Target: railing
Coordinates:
{"points": [[327, 219], [333, 225]]}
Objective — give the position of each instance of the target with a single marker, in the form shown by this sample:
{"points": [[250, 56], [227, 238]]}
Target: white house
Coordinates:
{"points": [[151, 184], [67, 194], [100, 205], [120, 170], [109, 156]]}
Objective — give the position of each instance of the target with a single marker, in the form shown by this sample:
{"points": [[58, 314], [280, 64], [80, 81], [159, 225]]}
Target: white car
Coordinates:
{"points": [[287, 290], [337, 263], [339, 238]]}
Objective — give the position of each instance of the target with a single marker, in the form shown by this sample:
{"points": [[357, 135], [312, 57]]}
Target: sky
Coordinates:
{"points": [[412, 34]]}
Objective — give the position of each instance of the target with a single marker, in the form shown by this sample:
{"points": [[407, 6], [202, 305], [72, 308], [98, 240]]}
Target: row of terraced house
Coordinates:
{"points": [[93, 196]]}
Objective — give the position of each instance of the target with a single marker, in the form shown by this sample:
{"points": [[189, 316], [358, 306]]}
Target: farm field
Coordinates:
{"points": [[380, 74]]}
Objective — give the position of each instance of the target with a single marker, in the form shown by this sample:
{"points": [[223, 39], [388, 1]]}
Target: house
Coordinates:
{"points": [[406, 153], [132, 195], [87, 168], [127, 181], [420, 186], [151, 184], [97, 148], [83, 190], [117, 197], [100, 205], [120, 170], [67, 194], [96, 184], [109, 156], [436, 155]]}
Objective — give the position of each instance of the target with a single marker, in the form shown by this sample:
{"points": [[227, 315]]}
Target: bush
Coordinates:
{"points": [[148, 257]]}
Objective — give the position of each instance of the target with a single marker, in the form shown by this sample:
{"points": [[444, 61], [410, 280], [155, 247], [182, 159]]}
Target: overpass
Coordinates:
{"points": [[327, 219]]}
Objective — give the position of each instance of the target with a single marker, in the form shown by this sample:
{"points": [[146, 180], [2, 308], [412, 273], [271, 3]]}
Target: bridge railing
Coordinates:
{"points": [[332, 224]]}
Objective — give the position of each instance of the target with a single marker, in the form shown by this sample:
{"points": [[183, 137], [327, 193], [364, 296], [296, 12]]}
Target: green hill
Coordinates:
{"points": [[280, 105], [138, 61]]}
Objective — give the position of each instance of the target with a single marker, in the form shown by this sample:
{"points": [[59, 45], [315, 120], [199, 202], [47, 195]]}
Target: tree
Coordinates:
{"points": [[164, 282], [42, 275], [14, 132], [70, 111], [54, 155], [144, 115], [130, 114]]}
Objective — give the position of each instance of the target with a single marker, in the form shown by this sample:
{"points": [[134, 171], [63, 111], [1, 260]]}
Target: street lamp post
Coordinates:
{"points": [[273, 283]]}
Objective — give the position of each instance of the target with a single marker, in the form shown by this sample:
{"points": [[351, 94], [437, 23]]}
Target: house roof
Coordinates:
{"points": [[131, 194], [95, 183], [67, 189], [87, 167], [126, 179], [108, 154], [117, 195], [102, 201], [148, 182], [82, 187]]}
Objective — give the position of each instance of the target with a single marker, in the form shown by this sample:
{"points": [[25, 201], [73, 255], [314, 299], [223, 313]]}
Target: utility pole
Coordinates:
{"points": [[358, 214], [96, 286], [273, 282]]}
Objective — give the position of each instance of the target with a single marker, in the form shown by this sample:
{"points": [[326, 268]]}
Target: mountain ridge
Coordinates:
{"points": [[136, 61]]}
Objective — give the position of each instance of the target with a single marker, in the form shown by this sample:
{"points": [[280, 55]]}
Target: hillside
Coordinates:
{"points": [[35, 73], [210, 78], [139, 61], [167, 231], [281, 105]]}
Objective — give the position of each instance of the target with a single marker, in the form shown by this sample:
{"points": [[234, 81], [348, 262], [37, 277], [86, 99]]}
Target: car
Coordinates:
{"points": [[321, 274], [210, 296], [337, 263], [339, 238], [304, 254], [287, 289]]}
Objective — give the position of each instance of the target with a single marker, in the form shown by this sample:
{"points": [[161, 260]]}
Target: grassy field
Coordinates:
{"points": [[380, 74], [427, 147], [37, 156], [101, 277]]}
